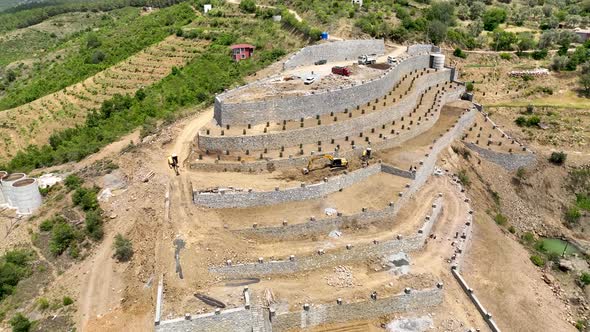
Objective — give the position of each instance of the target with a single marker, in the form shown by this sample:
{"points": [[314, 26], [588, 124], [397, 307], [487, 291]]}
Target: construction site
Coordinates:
{"points": [[326, 205]]}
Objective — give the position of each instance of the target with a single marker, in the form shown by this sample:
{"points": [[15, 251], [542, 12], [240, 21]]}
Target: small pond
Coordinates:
{"points": [[554, 245]]}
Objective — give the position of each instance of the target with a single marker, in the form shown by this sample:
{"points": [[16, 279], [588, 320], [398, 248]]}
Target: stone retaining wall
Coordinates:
{"points": [[422, 49], [261, 198], [509, 161], [427, 168], [336, 257], [302, 161], [291, 232], [257, 319], [335, 313], [237, 319], [335, 51], [306, 106], [334, 130]]}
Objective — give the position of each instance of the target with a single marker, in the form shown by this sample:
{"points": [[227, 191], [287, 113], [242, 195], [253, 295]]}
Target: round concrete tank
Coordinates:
{"points": [[7, 182], [438, 61], [27, 196], [3, 201]]}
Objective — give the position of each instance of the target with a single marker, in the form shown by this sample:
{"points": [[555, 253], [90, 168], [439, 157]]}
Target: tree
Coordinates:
{"points": [[248, 6], [503, 40], [20, 323], [526, 42], [476, 10], [443, 11], [437, 31], [585, 82], [93, 224], [123, 248], [493, 17], [62, 235]]}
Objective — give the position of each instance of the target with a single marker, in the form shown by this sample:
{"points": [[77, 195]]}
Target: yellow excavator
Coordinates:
{"points": [[335, 163]]}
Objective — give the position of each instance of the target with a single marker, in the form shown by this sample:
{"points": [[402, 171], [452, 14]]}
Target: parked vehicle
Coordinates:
{"points": [[320, 62], [309, 80], [391, 60], [367, 59], [338, 70]]}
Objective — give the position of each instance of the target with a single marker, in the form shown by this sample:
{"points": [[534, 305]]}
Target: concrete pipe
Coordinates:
{"points": [[7, 182], [27, 196], [3, 200]]}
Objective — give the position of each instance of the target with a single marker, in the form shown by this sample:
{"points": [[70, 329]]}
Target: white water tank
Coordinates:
{"points": [[7, 182], [438, 61], [3, 201], [27, 196]]}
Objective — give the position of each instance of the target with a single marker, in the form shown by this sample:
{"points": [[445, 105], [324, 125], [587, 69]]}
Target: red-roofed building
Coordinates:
{"points": [[241, 51]]}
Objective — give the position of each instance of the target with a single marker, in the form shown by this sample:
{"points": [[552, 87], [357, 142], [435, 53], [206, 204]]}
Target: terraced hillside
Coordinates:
{"points": [[33, 123]]}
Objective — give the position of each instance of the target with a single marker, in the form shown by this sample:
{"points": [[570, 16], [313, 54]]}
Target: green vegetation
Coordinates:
{"points": [[20, 323], [464, 178], [115, 44], [72, 181], [532, 121], [493, 17], [42, 303], [37, 12], [583, 201], [62, 235], [538, 260], [572, 215], [528, 237], [460, 53], [501, 219], [66, 301], [558, 158], [194, 84], [14, 267], [123, 248], [248, 6], [85, 198], [469, 86], [521, 173]]}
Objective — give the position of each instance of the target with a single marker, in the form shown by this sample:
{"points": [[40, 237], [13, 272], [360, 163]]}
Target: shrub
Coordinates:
{"points": [[500, 219], [72, 182], [580, 325], [558, 158], [528, 237], [62, 235], [521, 172], [469, 86], [85, 198], [67, 301], [572, 215], [583, 201], [94, 225], [20, 323], [505, 56], [43, 303], [248, 6], [532, 121], [585, 278], [462, 175], [538, 260], [540, 54], [47, 225], [123, 248], [459, 53], [14, 266], [512, 230]]}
